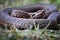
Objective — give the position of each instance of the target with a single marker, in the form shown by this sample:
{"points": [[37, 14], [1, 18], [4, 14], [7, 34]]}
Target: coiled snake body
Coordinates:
{"points": [[51, 15]]}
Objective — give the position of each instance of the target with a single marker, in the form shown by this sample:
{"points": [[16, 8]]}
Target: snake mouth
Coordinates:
{"points": [[31, 12], [34, 13]]}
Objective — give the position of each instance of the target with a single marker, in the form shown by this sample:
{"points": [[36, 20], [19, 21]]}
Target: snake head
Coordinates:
{"points": [[39, 14]]}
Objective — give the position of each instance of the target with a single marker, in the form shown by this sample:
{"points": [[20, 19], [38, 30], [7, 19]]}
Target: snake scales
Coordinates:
{"points": [[51, 14]]}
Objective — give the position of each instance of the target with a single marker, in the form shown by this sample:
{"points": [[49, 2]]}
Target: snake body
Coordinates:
{"points": [[51, 15]]}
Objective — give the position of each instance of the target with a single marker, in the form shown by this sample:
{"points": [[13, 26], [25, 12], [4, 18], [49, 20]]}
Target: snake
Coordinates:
{"points": [[52, 16]]}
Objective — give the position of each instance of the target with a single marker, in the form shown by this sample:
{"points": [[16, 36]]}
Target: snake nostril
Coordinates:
{"points": [[5, 18]]}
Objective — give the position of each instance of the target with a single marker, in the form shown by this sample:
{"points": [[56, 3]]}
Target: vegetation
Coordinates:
{"points": [[29, 34]]}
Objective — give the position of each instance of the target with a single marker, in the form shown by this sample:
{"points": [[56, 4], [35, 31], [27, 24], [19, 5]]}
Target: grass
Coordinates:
{"points": [[29, 34]]}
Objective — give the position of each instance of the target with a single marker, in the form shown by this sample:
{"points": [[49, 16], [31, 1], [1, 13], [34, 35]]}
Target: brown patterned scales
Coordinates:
{"points": [[19, 14], [39, 14]]}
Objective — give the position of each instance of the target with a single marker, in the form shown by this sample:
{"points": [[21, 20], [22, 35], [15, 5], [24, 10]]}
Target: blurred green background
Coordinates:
{"points": [[8, 3], [16, 34]]}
